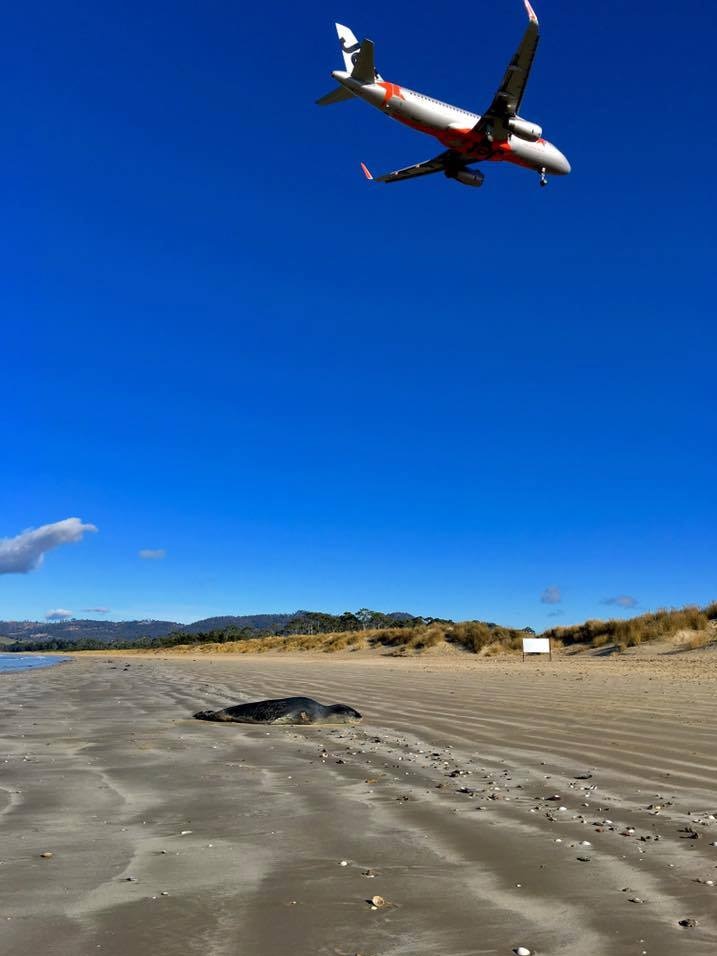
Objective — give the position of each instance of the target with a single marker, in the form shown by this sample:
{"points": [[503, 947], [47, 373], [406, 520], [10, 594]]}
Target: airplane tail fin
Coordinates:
{"points": [[358, 56], [359, 62], [350, 47]]}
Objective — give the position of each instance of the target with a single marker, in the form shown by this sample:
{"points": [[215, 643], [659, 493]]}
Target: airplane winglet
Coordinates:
{"points": [[531, 13], [367, 172]]}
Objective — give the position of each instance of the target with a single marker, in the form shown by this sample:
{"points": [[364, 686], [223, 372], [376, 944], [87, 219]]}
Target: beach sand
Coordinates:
{"points": [[176, 836]]}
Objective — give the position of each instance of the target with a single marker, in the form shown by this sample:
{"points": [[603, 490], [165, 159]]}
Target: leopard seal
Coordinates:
{"points": [[284, 710]]}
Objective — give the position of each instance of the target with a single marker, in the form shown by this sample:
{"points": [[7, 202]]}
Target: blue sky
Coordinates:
{"points": [[222, 343]]}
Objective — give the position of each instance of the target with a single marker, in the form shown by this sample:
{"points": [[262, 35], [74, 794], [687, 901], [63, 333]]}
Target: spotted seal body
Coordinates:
{"points": [[285, 710]]}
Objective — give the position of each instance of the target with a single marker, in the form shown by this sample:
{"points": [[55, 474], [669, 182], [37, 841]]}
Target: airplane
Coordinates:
{"points": [[499, 135]]}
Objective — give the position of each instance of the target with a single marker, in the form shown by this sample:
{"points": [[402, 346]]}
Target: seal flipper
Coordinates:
{"points": [[205, 715], [300, 718]]}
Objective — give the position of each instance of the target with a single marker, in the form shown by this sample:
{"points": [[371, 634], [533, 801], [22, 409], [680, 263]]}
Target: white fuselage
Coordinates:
{"points": [[455, 127]]}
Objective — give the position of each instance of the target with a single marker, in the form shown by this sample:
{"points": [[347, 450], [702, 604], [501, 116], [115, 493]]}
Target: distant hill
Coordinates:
{"points": [[254, 625], [80, 630], [257, 622], [110, 631]]}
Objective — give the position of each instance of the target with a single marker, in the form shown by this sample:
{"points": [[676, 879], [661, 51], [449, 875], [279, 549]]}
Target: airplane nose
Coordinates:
{"points": [[562, 166], [555, 163]]}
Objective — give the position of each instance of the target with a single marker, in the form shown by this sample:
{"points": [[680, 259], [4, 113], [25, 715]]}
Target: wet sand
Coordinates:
{"points": [[176, 836]]}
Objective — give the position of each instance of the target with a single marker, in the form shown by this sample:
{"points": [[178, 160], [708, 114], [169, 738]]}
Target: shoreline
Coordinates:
{"points": [[43, 655]]}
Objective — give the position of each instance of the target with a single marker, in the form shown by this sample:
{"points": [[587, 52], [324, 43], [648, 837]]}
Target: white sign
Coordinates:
{"points": [[536, 645]]}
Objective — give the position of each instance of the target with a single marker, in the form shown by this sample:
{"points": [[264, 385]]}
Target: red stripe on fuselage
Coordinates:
{"points": [[391, 89], [472, 145]]}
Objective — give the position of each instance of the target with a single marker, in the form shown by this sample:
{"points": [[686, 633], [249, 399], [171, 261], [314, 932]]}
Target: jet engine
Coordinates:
{"points": [[469, 177], [525, 129]]}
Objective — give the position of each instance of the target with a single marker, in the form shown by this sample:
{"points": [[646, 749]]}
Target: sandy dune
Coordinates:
{"points": [[444, 793]]}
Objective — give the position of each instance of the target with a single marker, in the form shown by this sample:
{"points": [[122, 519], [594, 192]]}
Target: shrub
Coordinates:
{"points": [[635, 630], [701, 639]]}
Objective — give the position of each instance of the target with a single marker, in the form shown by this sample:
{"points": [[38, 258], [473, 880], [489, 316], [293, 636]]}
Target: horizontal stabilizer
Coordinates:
{"points": [[335, 96]]}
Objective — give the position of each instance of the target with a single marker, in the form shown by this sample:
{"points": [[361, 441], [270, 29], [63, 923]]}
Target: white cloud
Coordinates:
{"points": [[59, 614], [622, 600], [96, 610], [152, 554], [26, 551], [551, 595]]}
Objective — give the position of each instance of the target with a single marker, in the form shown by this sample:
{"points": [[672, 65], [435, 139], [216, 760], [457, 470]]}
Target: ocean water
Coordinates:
{"points": [[23, 662]]}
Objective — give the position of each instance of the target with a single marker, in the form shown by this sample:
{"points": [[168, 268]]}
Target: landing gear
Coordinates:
{"points": [[543, 177]]}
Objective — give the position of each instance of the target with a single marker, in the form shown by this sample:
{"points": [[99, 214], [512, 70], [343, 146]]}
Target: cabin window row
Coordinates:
{"points": [[438, 103]]}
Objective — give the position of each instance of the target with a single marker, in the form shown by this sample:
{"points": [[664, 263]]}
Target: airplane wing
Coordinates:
{"points": [[507, 99], [435, 165]]}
